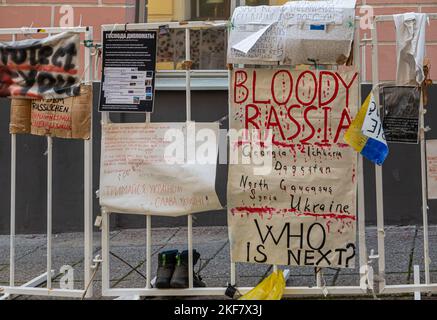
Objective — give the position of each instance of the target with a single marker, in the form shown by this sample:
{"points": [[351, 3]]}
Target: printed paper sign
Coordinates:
{"points": [[431, 157], [140, 173], [68, 118], [40, 68], [302, 212], [128, 72]]}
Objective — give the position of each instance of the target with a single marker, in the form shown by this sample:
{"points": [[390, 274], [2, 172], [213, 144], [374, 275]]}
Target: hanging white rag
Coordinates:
{"points": [[410, 46]]}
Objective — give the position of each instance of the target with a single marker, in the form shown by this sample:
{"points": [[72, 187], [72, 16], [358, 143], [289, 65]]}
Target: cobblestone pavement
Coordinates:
{"points": [[404, 249]]}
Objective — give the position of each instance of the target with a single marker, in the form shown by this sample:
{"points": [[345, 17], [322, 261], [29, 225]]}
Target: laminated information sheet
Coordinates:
{"points": [[129, 66]]}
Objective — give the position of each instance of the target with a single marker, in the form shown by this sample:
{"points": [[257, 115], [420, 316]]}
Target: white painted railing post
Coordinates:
{"points": [[188, 111]]}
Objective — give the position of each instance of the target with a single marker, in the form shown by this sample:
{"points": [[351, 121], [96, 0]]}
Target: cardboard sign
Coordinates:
{"points": [[292, 34], [302, 209], [128, 72], [140, 174], [401, 113], [40, 68], [431, 158], [68, 118]]}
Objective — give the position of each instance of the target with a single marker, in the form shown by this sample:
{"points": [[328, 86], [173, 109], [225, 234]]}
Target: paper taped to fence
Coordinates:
{"points": [[164, 169], [431, 158], [401, 106], [296, 204], [40, 68], [293, 33], [68, 118]]}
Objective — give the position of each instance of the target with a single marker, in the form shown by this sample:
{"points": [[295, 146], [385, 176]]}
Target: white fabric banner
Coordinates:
{"points": [[164, 169], [302, 212], [410, 46], [293, 33]]}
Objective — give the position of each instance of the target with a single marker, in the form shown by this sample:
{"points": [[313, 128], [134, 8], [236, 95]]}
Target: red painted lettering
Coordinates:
{"points": [[251, 119], [310, 125], [297, 124], [302, 91], [284, 83], [326, 90], [254, 99], [341, 125], [347, 86], [275, 123], [241, 92]]}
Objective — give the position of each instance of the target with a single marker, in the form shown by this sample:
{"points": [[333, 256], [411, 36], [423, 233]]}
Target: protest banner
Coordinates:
{"points": [[303, 210], [68, 118], [146, 168], [40, 68], [296, 33]]}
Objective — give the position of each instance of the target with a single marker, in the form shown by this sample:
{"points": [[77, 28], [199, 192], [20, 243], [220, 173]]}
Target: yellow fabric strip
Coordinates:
{"points": [[353, 136]]}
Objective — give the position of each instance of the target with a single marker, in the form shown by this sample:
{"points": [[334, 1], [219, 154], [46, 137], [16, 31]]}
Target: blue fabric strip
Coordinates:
{"points": [[317, 27], [375, 151]]}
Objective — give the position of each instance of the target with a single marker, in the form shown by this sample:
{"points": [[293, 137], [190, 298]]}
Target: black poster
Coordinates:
{"points": [[128, 71], [401, 113]]}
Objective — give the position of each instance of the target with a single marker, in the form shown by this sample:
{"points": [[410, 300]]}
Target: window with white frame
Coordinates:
{"points": [[208, 47]]}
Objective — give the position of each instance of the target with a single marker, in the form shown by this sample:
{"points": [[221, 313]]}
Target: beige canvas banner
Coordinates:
{"points": [[164, 169], [301, 209], [62, 118]]}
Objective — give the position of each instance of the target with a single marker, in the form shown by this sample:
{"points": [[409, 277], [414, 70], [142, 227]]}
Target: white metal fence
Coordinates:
{"points": [[31, 287], [312, 289], [400, 288], [365, 285]]}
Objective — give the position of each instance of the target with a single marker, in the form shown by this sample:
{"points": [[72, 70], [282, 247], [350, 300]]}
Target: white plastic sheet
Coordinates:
{"points": [[292, 34]]}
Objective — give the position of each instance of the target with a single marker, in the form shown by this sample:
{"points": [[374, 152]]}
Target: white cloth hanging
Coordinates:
{"points": [[410, 46]]}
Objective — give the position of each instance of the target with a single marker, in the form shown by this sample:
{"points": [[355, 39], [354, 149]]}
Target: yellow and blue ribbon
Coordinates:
{"points": [[366, 134]]}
